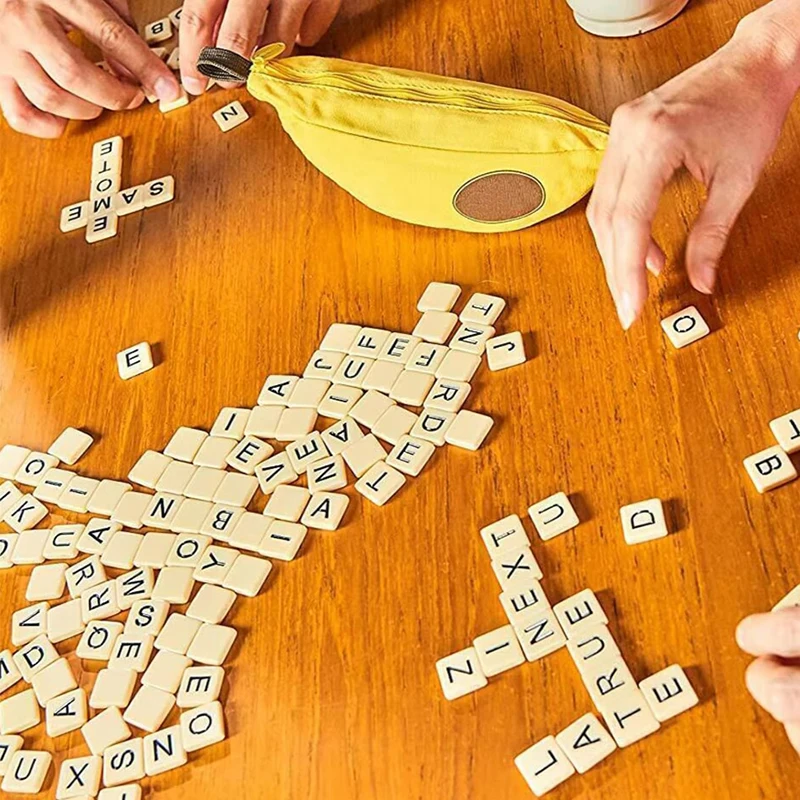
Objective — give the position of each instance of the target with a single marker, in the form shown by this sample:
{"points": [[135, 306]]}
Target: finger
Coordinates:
{"points": [[793, 732], [655, 260], [67, 65], [241, 26], [775, 633], [121, 7], [645, 178], [775, 687], [114, 37], [283, 22], [317, 20], [727, 195], [46, 95], [23, 117], [198, 20]]}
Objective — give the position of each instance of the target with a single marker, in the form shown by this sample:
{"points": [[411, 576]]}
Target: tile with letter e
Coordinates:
{"points": [[460, 673], [74, 216], [134, 360], [306, 451], [578, 612], [410, 455], [643, 521], [544, 766], [685, 327], [553, 516], [248, 454], [524, 603], [668, 693], [498, 651], [199, 686], [586, 742], [770, 469], [131, 652]]}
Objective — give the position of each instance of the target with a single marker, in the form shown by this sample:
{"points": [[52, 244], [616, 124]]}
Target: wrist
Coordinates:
{"points": [[771, 38]]}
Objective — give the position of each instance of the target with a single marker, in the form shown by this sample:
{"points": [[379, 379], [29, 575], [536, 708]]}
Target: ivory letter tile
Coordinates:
{"points": [[505, 351], [553, 516], [685, 327], [668, 693], [460, 673], [438, 297], [643, 521], [770, 468], [586, 742]]}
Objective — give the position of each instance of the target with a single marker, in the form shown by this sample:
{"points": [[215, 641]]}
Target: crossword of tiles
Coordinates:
{"points": [[197, 528]]}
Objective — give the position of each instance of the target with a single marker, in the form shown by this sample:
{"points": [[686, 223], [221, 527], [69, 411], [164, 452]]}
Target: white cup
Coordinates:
{"points": [[624, 17]]}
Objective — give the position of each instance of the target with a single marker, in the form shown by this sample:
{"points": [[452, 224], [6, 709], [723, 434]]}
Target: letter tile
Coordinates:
{"points": [[25, 514], [432, 426], [105, 730], [200, 686], [28, 623], [643, 521], [131, 652], [134, 360], [368, 342], [47, 582], [323, 364], [579, 612], [185, 443], [214, 452], [204, 483], [505, 351], [629, 718], [380, 483], [250, 452], [382, 376], [482, 308], [230, 424], [74, 216], [460, 673], [541, 636], [27, 772], [70, 445], [327, 475], [785, 429], [371, 407], [447, 395], [553, 516], [410, 455], [325, 511], [220, 522], [215, 564], [295, 423], [516, 568], [79, 777], [668, 693], [174, 585], [167, 668], [685, 327], [277, 389], [586, 743], [352, 371], [472, 338], [66, 713], [134, 585], [340, 337], [147, 616], [97, 641], [123, 762], [264, 422], [113, 688], [163, 751], [339, 400], [593, 649], [438, 297], [770, 469], [435, 326], [230, 116], [202, 726], [498, 651], [162, 190], [246, 576], [411, 388], [469, 429], [211, 604], [282, 540]]}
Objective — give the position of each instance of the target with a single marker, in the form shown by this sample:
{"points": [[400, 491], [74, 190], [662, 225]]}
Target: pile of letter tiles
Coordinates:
{"points": [[144, 583]]}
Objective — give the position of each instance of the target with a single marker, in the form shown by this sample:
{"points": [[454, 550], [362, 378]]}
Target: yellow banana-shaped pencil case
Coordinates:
{"points": [[426, 149]]}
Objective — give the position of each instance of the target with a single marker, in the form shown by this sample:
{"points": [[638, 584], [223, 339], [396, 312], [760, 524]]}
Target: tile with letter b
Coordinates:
{"points": [[498, 651], [325, 510], [438, 297], [27, 772], [507, 350], [380, 483], [586, 742], [770, 469], [685, 327], [540, 636], [786, 430], [578, 612], [514, 569], [158, 31], [220, 522], [643, 521], [629, 718], [410, 455], [460, 673], [202, 726], [544, 766], [668, 693], [553, 516]]}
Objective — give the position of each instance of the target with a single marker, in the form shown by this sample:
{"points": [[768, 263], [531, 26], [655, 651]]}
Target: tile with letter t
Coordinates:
{"points": [[553, 516], [505, 351], [482, 308], [544, 766], [578, 612], [460, 673], [504, 535], [498, 651], [586, 742], [685, 327], [134, 360], [380, 483], [629, 718], [668, 693], [786, 430], [770, 469], [643, 521]]}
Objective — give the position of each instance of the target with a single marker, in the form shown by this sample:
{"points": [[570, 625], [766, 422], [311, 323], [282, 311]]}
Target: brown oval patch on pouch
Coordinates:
{"points": [[499, 197]]}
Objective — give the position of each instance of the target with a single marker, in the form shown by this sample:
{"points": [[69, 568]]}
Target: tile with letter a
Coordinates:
{"points": [[553, 516], [629, 718], [482, 308], [578, 612], [66, 713], [643, 521], [438, 297], [325, 510], [277, 389], [685, 327], [380, 483], [163, 751], [460, 673], [410, 455], [202, 726], [786, 430], [770, 468], [504, 535], [498, 651], [128, 201], [515, 569], [230, 116], [540, 636], [339, 337], [27, 772], [544, 766], [339, 436], [505, 351], [668, 693], [586, 742], [96, 536]]}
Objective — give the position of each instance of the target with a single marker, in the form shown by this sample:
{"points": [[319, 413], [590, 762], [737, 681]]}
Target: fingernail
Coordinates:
{"points": [[625, 310], [166, 89], [653, 266], [193, 85], [706, 277]]}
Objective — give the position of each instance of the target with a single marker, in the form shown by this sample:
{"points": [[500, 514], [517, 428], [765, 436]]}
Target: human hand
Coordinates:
{"points": [[45, 79], [721, 120], [774, 677], [237, 25]]}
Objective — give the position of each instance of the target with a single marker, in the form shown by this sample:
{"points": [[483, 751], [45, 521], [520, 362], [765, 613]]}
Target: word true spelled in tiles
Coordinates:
{"points": [[772, 467], [631, 711], [107, 199]]}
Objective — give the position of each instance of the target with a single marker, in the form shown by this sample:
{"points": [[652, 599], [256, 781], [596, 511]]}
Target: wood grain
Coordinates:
{"points": [[332, 694]]}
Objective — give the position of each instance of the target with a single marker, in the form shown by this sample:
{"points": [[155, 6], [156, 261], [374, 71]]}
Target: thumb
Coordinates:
{"points": [[727, 195]]}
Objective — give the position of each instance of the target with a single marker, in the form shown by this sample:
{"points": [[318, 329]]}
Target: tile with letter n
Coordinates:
{"points": [[230, 116]]}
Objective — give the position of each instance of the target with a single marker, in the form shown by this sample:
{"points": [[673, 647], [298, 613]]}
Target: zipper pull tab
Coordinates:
{"points": [[224, 65]]}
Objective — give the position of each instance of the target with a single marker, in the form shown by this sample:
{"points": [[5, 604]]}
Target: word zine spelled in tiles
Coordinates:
{"points": [[770, 469], [544, 766], [643, 521], [685, 327], [460, 673], [230, 116], [668, 693], [134, 360]]}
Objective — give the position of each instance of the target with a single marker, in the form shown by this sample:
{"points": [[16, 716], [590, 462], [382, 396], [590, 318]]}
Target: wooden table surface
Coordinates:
{"points": [[332, 693]]}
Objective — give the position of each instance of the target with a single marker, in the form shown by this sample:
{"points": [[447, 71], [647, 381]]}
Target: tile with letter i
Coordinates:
{"points": [[586, 742], [483, 309], [53, 483], [460, 673], [685, 327], [643, 521], [230, 423], [770, 469], [544, 766], [77, 494], [230, 116], [553, 515], [283, 540], [668, 693], [577, 613], [786, 430], [339, 400], [498, 651], [507, 350]]}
